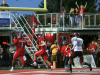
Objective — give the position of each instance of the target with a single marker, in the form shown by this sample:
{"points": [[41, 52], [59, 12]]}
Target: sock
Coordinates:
{"points": [[34, 60], [70, 67], [50, 64], [12, 67]]}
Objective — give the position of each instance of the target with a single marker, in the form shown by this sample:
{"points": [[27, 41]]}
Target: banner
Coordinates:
{"points": [[87, 58], [4, 18]]}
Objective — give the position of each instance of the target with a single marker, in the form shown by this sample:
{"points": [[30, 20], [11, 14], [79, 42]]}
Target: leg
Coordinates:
{"points": [[71, 21], [23, 60], [73, 55], [84, 63], [45, 59], [67, 59], [38, 53], [80, 23], [16, 55], [73, 63]]}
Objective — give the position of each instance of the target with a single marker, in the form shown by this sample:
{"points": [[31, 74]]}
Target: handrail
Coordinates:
{"points": [[28, 30], [90, 20], [24, 32]]}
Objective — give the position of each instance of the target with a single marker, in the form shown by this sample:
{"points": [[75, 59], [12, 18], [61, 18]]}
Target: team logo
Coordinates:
{"points": [[34, 24]]}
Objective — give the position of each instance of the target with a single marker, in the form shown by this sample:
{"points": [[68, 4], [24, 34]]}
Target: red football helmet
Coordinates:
{"points": [[19, 36], [76, 34]]}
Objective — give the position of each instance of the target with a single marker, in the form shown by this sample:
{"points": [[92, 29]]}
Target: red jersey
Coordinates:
{"points": [[81, 11], [20, 44], [43, 45], [63, 50], [94, 47]]}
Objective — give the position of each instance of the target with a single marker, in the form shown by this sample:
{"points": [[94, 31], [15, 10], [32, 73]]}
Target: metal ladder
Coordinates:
{"points": [[30, 50]]}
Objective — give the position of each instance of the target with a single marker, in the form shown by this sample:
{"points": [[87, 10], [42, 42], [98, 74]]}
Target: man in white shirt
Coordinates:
{"points": [[77, 47]]}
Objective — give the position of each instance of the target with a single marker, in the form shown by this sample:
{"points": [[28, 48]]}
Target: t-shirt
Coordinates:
{"points": [[56, 49], [20, 44], [81, 12], [94, 48], [77, 43], [63, 50], [5, 5]]}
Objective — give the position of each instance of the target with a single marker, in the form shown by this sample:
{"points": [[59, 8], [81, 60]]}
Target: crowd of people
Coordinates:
{"points": [[76, 16]]}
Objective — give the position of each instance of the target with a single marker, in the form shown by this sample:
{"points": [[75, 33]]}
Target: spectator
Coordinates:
{"points": [[76, 17], [98, 57], [55, 49], [81, 13], [72, 16], [67, 52], [4, 4], [61, 16], [92, 48], [12, 50], [1, 55], [49, 50], [63, 52]]}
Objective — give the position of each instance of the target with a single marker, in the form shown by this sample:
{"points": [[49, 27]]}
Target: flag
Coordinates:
{"points": [[35, 22]]}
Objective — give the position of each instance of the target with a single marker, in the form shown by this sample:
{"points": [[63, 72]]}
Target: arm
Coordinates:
{"points": [[11, 44], [71, 11], [12, 50], [85, 5], [52, 47], [77, 5]]}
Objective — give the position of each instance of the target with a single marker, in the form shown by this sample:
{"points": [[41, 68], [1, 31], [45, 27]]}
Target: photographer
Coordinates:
{"points": [[64, 53], [69, 52], [55, 50]]}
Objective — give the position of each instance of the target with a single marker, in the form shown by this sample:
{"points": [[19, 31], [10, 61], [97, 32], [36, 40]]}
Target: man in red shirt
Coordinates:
{"points": [[42, 52], [20, 52], [92, 48], [81, 13]]}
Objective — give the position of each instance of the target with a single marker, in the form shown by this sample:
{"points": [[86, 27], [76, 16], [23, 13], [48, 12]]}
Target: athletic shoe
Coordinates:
{"points": [[73, 66], [34, 64], [68, 71], [52, 67], [11, 69], [90, 67]]}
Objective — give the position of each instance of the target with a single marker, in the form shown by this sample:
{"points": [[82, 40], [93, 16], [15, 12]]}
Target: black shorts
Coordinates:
{"points": [[77, 53]]}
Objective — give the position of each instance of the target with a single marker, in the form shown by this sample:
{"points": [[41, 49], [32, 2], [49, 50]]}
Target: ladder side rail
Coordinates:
{"points": [[29, 26], [28, 31], [24, 32]]}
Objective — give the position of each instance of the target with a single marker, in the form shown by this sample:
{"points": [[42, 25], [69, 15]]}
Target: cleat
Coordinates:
{"points": [[52, 67], [90, 67], [34, 64], [68, 71]]}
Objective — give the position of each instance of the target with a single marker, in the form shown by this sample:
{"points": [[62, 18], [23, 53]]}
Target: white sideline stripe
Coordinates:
{"points": [[56, 71]]}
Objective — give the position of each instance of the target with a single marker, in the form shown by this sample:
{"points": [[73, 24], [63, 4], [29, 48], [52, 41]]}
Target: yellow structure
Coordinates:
{"points": [[26, 9]]}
